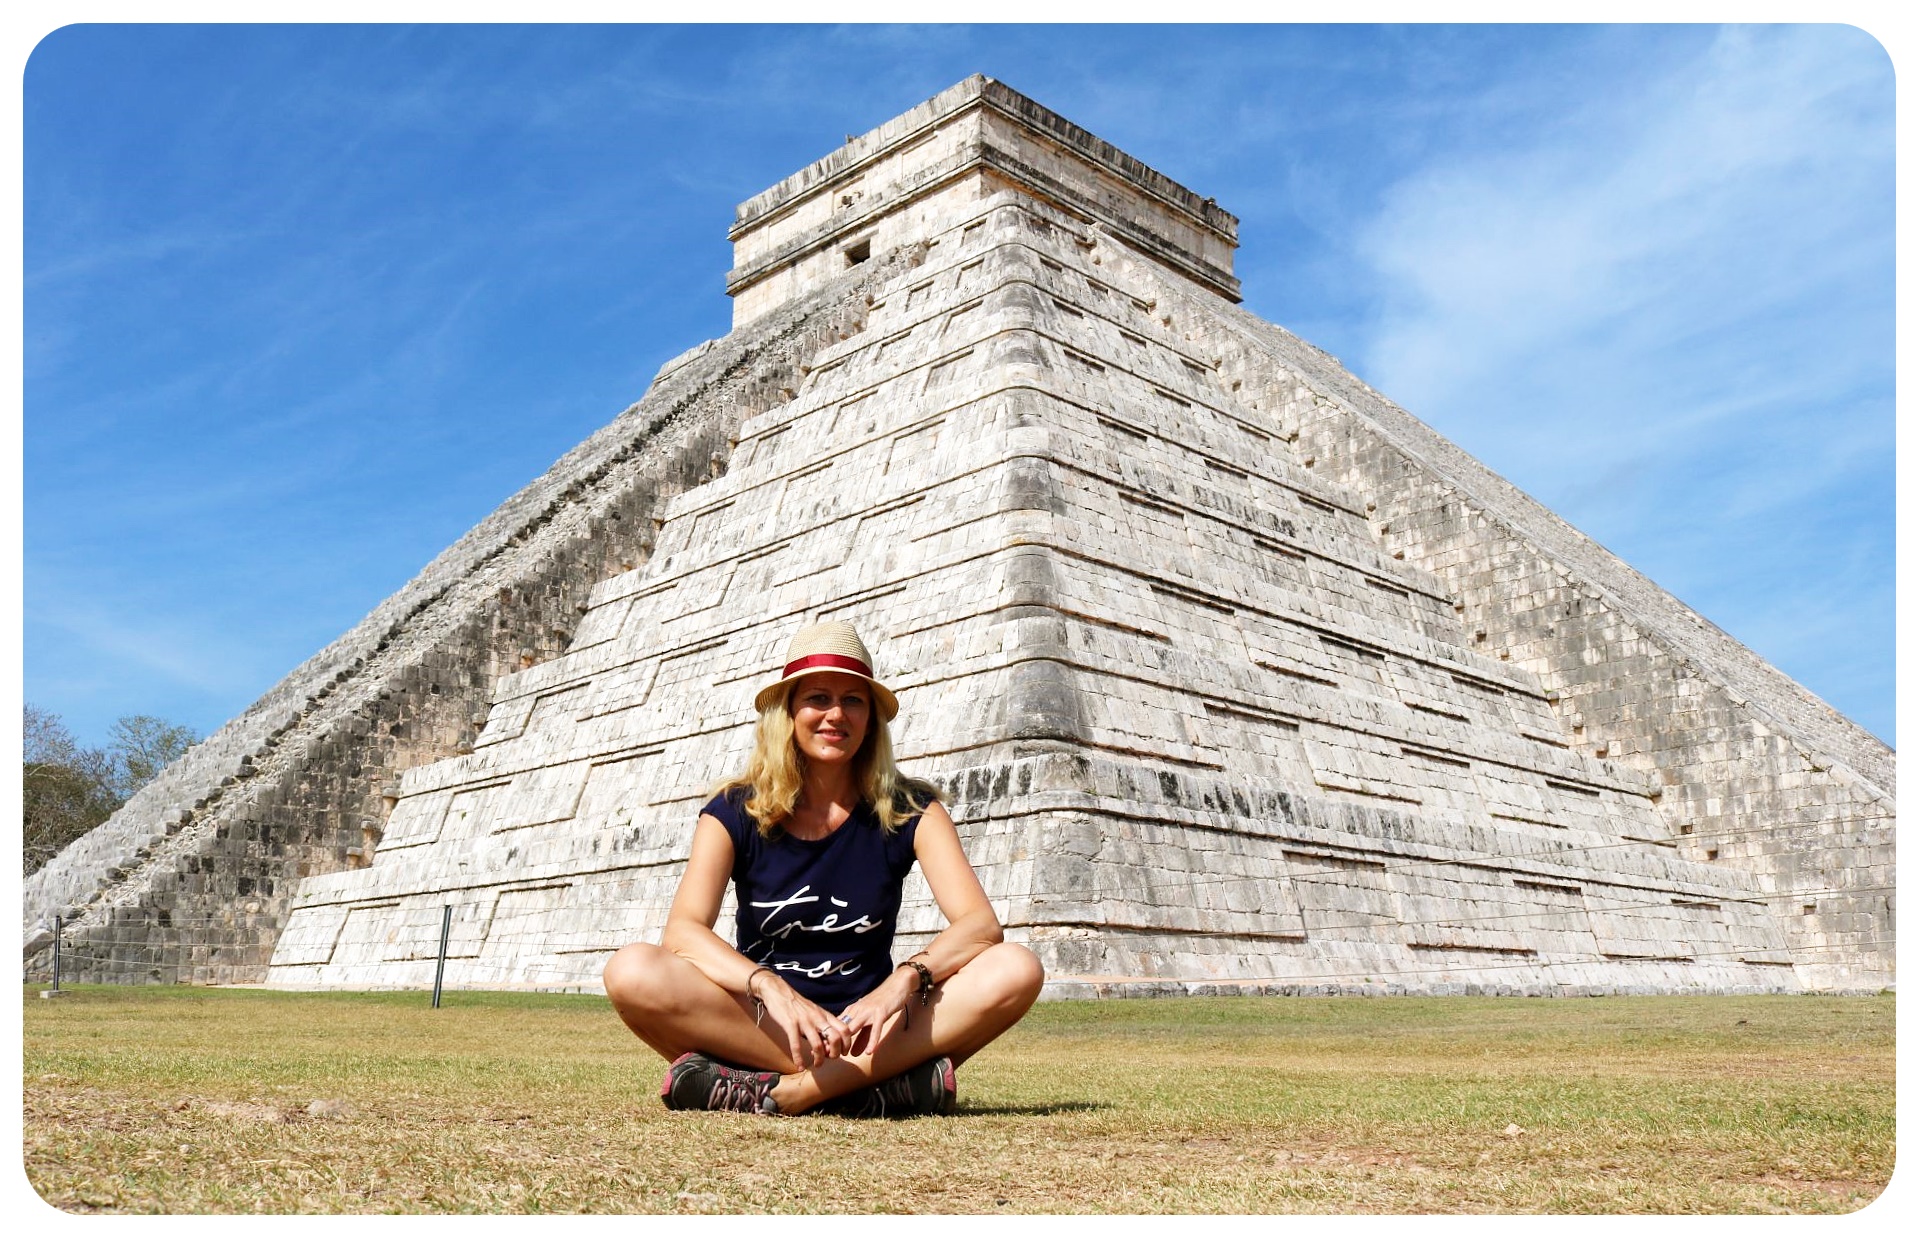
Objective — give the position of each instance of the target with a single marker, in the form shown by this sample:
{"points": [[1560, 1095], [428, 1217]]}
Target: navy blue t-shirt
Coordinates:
{"points": [[821, 913]]}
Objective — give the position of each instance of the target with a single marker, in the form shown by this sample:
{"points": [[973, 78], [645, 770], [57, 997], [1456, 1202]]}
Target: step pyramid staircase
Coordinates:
{"points": [[1234, 679]]}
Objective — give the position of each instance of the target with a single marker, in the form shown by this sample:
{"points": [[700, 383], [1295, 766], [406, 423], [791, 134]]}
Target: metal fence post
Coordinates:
{"points": [[439, 970], [56, 954]]}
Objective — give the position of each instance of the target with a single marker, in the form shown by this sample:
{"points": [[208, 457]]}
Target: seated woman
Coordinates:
{"points": [[817, 836]]}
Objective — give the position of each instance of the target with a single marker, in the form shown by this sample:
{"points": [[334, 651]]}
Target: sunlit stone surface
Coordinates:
{"points": [[1236, 674]]}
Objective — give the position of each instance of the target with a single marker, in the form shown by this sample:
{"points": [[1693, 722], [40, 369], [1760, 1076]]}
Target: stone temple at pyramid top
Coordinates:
{"points": [[911, 178], [1234, 675]]}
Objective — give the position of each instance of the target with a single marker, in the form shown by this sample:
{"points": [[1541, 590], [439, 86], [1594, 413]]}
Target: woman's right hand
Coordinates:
{"points": [[812, 1035]]}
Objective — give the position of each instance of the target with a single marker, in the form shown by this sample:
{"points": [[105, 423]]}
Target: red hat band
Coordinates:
{"points": [[827, 662]]}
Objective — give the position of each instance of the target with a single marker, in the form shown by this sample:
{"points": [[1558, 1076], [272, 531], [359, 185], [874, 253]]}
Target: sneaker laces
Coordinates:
{"points": [[894, 1093], [738, 1092]]}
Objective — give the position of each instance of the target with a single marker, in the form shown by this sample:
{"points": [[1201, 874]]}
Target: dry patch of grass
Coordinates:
{"points": [[198, 1100]]}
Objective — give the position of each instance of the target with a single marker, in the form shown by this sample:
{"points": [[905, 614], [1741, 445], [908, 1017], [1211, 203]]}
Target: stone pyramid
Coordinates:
{"points": [[1236, 675]]}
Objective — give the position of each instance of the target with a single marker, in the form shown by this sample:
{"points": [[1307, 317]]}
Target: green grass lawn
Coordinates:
{"points": [[197, 1100]]}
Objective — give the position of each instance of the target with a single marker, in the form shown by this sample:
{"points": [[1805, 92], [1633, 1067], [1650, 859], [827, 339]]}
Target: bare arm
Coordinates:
{"points": [[972, 927], [696, 907], [811, 1034]]}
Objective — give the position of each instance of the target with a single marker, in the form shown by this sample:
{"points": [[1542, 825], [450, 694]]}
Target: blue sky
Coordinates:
{"points": [[303, 304]]}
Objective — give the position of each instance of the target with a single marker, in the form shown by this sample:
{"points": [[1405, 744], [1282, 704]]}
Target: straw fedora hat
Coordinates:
{"points": [[833, 645]]}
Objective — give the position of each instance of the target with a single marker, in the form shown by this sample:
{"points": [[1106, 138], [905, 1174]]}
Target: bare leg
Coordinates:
{"points": [[672, 1006], [968, 1010]]}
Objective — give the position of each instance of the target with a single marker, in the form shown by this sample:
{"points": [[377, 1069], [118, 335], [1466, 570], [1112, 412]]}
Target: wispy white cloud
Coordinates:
{"points": [[314, 310], [132, 641], [1729, 193], [1667, 313]]}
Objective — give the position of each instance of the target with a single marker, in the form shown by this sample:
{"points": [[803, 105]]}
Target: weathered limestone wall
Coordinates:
{"points": [[1198, 726], [1753, 771], [912, 177], [190, 880], [1236, 675]]}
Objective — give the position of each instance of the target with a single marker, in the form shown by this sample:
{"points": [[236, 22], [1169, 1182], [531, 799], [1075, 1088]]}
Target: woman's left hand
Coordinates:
{"points": [[871, 1019]]}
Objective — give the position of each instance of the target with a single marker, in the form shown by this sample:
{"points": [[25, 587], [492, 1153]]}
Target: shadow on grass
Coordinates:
{"points": [[1029, 1111]]}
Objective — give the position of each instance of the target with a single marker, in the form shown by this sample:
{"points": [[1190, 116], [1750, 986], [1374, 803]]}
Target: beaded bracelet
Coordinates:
{"points": [[926, 979]]}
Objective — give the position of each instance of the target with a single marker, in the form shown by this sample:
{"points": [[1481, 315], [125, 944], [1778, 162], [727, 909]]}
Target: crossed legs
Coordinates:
{"points": [[672, 1006]]}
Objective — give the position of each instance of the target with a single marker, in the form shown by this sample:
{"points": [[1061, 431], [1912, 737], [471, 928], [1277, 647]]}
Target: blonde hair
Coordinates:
{"points": [[776, 772]]}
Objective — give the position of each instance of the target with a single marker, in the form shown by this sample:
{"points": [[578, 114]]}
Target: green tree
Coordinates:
{"points": [[67, 789], [141, 746]]}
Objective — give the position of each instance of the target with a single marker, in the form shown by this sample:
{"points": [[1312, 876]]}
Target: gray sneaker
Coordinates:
{"points": [[696, 1081], [929, 1088]]}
